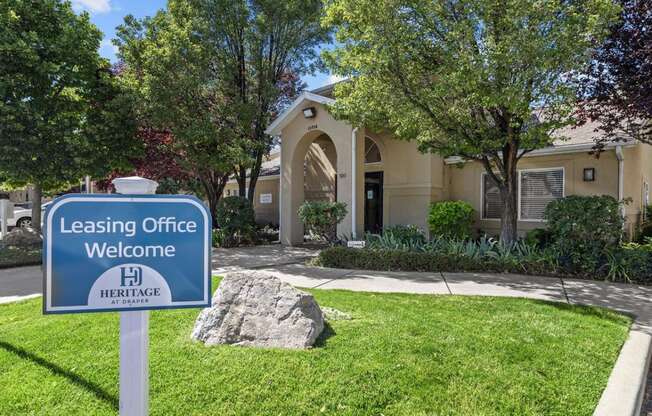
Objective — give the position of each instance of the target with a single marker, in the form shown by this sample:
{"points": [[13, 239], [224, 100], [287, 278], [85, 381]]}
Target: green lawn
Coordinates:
{"points": [[400, 355]]}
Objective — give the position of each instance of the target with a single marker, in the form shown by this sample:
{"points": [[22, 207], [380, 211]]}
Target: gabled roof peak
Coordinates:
{"points": [[289, 113]]}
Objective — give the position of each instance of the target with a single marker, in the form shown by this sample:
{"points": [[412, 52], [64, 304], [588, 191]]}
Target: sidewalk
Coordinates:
{"points": [[271, 255], [630, 299]]}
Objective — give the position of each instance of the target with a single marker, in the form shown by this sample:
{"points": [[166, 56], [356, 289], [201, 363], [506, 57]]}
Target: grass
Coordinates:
{"points": [[19, 256], [400, 355]]}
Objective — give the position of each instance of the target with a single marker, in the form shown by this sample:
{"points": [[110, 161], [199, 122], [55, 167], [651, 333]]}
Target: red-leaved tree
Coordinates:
{"points": [[160, 162], [617, 89]]}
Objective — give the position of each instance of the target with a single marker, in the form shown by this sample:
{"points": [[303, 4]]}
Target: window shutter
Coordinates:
{"points": [[492, 205], [538, 188]]}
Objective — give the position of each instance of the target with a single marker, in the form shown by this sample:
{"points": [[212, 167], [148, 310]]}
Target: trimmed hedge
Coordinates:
{"points": [[409, 261], [19, 256], [631, 266]]}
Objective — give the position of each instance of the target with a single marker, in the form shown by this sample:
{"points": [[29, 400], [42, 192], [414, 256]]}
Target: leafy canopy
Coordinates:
{"points": [[463, 77], [167, 64], [466, 77], [62, 114]]}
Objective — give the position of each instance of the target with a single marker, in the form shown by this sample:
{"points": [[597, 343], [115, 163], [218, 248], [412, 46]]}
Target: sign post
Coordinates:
{"points": [[128, 252], [6, 213], [134, 329]]}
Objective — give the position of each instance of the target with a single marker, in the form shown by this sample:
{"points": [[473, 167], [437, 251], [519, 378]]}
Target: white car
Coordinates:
{"points": [[23, 215]]}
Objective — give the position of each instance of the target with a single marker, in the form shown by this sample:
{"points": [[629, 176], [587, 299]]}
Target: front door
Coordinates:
{"points": [[373, 202]]}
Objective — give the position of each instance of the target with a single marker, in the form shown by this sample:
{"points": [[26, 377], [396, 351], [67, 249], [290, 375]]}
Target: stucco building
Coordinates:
{"points": [[385, 181]]}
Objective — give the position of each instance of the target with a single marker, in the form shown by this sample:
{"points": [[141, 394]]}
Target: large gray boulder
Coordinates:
{"points": [[257, 309]]}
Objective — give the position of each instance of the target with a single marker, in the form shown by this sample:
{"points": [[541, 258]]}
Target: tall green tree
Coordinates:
{"points": [[214, 73], [62, 114], [263, 48], [488, 80], [182, 89]]}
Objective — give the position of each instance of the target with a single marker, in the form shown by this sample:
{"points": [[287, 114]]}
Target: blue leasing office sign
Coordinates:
{"points": [[126, 252]]}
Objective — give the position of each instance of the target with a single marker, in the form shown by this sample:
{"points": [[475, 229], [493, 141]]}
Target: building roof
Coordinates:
{"points": [[570, 139], [271, 167], [293, 110]]}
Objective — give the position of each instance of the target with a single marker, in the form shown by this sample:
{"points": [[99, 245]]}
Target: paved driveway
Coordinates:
{"points": [[20, 281], [24, 281]]}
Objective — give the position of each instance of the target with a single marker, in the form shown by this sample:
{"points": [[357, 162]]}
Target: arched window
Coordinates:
{"points": [[371, 151]]}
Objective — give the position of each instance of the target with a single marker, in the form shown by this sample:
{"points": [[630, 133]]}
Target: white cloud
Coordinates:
{"points": [[92, 6]]}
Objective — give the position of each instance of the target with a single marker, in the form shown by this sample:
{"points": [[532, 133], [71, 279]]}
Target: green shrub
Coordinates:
{"points": [[539, 237], [405, 233], [321, 218], [402, 237], [626, 264], [630, 263], [645, 232], [451, 219], [584, 228], [219, 237], [236, 219]]}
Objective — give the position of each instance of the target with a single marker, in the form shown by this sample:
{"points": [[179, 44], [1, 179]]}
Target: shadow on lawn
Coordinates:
{"points": [[588, 310], [326, 333], [55, 369]]}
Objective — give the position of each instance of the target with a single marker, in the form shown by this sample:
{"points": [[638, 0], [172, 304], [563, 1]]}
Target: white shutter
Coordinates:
{"points": [[492, 205], [538, 188]]}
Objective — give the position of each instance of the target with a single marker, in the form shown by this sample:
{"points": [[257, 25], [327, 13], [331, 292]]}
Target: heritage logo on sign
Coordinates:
{"points": [[117, 252], [132, 277]]}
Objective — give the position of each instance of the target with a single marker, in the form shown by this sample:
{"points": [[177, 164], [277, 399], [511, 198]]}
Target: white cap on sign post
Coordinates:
{"points": [[134, 185]]}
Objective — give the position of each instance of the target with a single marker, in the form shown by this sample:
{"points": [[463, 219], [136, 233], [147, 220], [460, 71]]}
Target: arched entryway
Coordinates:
{"points": [[320, 167], [314, 168]]}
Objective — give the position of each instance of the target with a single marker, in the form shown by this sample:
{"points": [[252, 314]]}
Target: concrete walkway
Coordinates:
{"points": [[630, 299], [238, 258], [25, 281]]}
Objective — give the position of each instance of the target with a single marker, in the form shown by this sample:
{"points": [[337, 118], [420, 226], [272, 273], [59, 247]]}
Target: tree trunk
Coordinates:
{"points": [[509, 195], [37, 195], [509, 217], [253, 176], [241, 177], [214, 188]]}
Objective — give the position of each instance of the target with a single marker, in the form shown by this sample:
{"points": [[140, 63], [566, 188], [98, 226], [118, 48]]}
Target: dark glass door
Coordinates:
{"points": [[373, 202]]}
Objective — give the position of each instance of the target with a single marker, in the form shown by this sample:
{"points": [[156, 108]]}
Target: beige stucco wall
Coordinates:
{"points": [[265, 213], [296, 139], [465, 181], [320, 170], [412, 181], [637, 171]]}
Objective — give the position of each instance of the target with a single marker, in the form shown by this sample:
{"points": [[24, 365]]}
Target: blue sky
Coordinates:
{"points": [[107, 14]]}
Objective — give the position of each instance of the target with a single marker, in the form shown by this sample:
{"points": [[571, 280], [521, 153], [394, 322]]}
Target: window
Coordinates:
{"points": [[371, 151], [492, 204], [536, 188]]}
